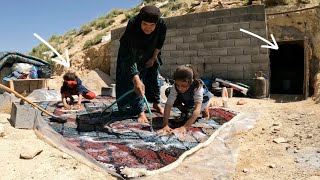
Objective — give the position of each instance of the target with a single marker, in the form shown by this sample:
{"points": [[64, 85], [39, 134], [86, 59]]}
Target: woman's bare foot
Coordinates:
{"points": [[142, 118], [158, 108]]}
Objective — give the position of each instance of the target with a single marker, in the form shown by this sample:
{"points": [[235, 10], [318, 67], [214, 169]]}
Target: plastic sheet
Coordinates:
{"points": [[40, 95], [216, 159]]}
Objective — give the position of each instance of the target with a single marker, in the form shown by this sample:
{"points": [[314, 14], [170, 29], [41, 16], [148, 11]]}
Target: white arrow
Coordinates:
{"points": [[272, 46], [63, 62]]}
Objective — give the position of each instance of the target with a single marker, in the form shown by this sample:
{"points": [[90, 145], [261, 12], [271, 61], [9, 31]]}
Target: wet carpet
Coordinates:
{"points": [[117, 141]]}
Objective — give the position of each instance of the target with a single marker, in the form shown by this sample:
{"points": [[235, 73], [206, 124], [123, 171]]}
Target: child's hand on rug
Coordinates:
{"points": [[67, 107], [180, 130], [164, 131], [77, 106]]}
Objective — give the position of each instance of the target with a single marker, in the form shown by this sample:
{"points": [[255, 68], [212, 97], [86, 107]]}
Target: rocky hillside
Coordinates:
{"points": [[89, 48]]}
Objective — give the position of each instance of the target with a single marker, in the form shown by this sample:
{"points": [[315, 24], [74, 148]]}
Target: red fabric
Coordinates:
{"points": [[89, 95], [73, 83]]}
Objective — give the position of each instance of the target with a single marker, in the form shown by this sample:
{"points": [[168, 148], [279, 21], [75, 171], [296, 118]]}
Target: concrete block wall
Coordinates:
{"points": [[213, 43]]}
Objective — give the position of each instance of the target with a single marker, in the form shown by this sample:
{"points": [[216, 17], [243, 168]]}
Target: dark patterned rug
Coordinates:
{"points": [[117, 141]]}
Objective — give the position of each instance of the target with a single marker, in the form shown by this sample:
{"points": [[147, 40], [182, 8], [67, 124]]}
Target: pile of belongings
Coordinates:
{"points": [[24, 66]]}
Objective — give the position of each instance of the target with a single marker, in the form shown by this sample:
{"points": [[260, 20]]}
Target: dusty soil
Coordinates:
{"points": [[295, 120]]}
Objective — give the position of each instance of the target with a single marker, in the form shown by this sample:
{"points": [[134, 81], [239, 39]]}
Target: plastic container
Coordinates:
{"points": [[224, 95]]}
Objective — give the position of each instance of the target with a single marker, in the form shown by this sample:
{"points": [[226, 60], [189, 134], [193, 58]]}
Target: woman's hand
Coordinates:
{"points": [[150, 62], [139, 88], [180, 130], [165, 130]]}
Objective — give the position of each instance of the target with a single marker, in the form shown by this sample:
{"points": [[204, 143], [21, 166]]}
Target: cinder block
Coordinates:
{"points": [[242, 59], [257, 25], [171, 33], [239, 11], [204, 52], [235, 75], [196, 46], [235, 51], [234, 35], [211, 44], [235, 67], [226, 43], [260, 58], [198, 23], [177, 40], [204, 37], [190, 39], [190, 53], [219, 51], [23, 116], [183, 32], [242, 42], [196, 30], [225, 27], [197, 60], [251, 50], [170, 47], [219, 67], [212, 59], [106, 91], [219, 36], [232, 19], [183, 46], [227, 59], [242, 25], [211, 29], [215, 21], [176, 53], [183, 60]]}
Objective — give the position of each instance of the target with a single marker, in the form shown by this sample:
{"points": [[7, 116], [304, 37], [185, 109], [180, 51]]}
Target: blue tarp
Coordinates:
{"points": [[15, 57]]}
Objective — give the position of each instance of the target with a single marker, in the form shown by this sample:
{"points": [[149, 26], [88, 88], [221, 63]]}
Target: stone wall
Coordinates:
{"points": [[213, 43]]}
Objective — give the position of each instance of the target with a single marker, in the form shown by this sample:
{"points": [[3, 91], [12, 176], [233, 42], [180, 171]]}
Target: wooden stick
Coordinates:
{"points": [[5, 88]]}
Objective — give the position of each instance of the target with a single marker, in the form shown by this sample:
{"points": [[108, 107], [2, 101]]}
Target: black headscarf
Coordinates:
{"points": [[150, 14]]}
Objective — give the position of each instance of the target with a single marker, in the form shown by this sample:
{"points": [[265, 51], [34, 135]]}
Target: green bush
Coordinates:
{"points": [[38, 50], [303, 1], [114, 13], [70, 33], [101, 24], [96, 40], [70, 43], [85, 29]]}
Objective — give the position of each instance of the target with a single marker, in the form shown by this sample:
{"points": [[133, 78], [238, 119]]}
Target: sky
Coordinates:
{"points": [[19, 19]]}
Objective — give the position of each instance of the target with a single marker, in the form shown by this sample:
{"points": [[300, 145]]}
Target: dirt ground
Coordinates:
{"points": [[295, 120]]}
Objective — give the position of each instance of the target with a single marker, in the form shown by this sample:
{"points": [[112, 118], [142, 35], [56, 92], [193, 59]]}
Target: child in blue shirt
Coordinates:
{"points": [[190, 95], [72, 85]]}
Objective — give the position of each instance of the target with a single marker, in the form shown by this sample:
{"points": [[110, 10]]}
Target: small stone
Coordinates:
{"points": [[29, 152], [65, 156], [2, 133], [297, 123], [280, 140], [276, 124], [309, 136], [295, 151], [245, 170], [318, 151], [296, 161], [276, 129], [272, 166], [263, 129]]}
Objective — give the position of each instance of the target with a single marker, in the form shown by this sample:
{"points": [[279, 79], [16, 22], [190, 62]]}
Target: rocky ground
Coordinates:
{"points": [[285, 144]]}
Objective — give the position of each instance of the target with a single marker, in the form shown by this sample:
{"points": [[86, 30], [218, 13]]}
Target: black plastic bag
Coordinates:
{"points": [[44, 72]]}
